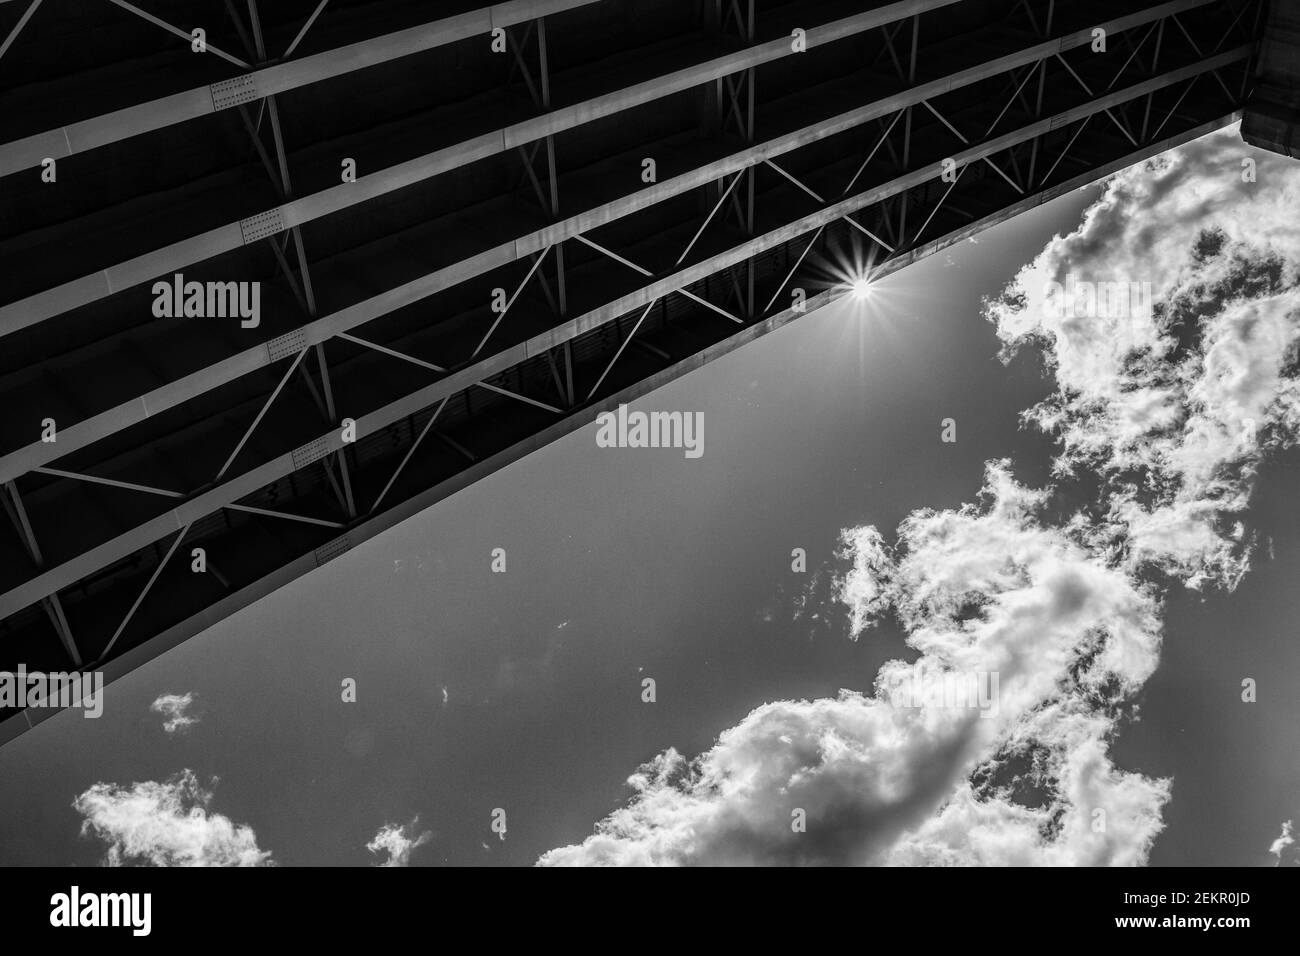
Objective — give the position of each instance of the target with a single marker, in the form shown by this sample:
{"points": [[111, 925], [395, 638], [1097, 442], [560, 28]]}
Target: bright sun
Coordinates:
{"points": [[860, 289]]}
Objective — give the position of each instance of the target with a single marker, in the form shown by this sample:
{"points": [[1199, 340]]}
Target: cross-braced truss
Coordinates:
{"points": [[556, 207]]}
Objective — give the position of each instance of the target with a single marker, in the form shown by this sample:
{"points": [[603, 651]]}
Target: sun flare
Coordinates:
{"points": [[860, 289]]}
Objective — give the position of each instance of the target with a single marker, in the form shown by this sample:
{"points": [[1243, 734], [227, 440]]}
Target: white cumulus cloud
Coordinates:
{"points": [[166, 824], [1167, 400], [1172, 402], [887, 778]]}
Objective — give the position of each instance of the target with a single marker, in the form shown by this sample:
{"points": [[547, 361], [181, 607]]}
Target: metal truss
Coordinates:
{"points": [[606, 291]]}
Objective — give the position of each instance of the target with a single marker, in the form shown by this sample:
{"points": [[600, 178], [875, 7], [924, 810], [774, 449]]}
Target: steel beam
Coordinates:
{"points": [[140, 269], [82, 433], [280, 78], [589, 331], [378, 522], [54, 579]]}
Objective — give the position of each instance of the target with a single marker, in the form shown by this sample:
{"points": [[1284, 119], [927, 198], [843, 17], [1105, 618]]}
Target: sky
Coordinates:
{"points": [[1105, 534]]}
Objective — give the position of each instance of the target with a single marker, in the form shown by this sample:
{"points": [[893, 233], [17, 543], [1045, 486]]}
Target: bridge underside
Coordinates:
{"points": [[782, 161], [1272, 115]]}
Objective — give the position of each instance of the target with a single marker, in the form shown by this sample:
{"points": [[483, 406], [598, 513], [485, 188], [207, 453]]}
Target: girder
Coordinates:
{"points": [[773, 163]]}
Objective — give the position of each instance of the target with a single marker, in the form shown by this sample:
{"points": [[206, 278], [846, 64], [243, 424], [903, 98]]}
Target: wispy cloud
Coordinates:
{"points": [[174, 708], [398, 842], [166, 824], [1284, 842]]}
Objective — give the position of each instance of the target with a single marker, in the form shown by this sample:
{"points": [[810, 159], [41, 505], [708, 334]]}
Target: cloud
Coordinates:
{"points": [[173, 707], [806, 604], [863, 589], [166, 824], [398, 842], [1172, 399], [1283, 843], [1097, 815], [886, 778], [1169, 393]]}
